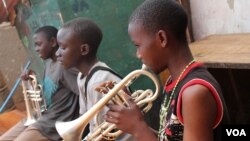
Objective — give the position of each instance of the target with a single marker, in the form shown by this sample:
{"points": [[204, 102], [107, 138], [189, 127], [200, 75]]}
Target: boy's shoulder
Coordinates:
{"points": [[101, 72], [101, 68]]}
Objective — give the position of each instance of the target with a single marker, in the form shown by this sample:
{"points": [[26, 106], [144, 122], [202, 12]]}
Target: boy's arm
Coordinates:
{"points": [[200, 124]]}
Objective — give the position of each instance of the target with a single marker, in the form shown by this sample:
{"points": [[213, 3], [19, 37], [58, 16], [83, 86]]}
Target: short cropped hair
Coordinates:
{"points": [[167, 15], [87, 31], [49, 31]]}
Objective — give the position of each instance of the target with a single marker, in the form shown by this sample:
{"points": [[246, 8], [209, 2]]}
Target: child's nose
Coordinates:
{"points": [[37, 49], [58, 52], [138, 55]]}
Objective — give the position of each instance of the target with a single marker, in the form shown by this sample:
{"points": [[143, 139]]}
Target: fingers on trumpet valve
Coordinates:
{"points": [[24, 75], [120, 98], [105, 87]]}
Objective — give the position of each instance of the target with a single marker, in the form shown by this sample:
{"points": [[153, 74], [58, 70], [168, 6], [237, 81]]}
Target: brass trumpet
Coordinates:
{"points": [[33, 99], [73, 130]]}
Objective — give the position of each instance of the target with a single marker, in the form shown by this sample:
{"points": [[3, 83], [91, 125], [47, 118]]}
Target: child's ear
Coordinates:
{"points": [[162, 35], [84, 48], [53, 42]]}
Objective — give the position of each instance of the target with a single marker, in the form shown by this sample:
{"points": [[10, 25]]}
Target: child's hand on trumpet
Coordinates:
{"points": [[119, 113], [105, 87], [126, 118], [25, 74]]}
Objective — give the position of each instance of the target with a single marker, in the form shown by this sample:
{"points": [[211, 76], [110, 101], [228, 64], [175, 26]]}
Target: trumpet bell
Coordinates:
{"points": [[70, 130]]}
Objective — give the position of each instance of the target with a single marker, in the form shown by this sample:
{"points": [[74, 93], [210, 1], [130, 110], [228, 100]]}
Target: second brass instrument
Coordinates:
{"points": [[34, 101], [72, 130]]}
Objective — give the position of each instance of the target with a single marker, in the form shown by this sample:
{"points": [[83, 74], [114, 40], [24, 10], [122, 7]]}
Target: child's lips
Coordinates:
{"points": [[59, 60]]}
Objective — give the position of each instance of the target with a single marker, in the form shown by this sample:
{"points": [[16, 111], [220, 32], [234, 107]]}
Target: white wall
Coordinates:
{"points": [[219, 16]]}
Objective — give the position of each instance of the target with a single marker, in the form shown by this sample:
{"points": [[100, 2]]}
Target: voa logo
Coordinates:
{"points": [[236, 132]]}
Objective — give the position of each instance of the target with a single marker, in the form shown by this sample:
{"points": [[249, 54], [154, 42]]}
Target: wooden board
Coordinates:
{"points": [[9, 119], [223, 51]]}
